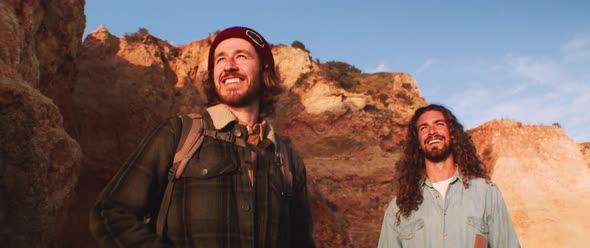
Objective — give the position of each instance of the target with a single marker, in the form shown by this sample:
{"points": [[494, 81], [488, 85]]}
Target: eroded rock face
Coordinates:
{"points": [[125, 88], [292, 63], [349, 194], [39, 161], [324, 119], [57, 43], [40, 41], [40, 166], [543, 178]]}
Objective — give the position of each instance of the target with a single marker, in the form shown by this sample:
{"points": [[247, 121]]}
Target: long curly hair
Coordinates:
{"points": [[271, 88], [411, 171]]}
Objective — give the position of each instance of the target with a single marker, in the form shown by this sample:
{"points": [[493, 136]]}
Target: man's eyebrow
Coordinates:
{"points": [[236, 51], [218, 54], [244, 51]]}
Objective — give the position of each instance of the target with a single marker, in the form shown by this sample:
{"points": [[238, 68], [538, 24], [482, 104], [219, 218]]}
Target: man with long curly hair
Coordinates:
{"points": [[243, 187], [445, 197]]}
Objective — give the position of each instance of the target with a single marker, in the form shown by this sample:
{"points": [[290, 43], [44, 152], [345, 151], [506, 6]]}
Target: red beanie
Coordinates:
{"points": [[249, 35]]}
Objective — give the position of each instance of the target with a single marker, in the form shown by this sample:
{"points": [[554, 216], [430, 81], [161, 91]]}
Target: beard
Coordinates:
{"points": [[236, 99], [438, 155]]}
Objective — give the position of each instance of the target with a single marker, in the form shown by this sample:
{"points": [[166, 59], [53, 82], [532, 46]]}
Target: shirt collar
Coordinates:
{"points": [[222, 117], [457, 177]]}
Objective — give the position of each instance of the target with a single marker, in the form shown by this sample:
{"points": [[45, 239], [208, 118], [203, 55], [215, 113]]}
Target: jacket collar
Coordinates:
{"points": [[222, 117]]}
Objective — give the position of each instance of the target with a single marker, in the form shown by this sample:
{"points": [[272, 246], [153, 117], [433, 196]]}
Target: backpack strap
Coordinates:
{"points": [[191, 139], [225, 136], [284, 159]]}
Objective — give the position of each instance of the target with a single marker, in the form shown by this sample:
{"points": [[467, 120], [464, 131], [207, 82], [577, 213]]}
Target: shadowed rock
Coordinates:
{"points": [[39, 161]]}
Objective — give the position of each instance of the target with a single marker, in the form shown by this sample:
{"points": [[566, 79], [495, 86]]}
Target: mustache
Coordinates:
{"points": [[434, 136], [232, 74]]}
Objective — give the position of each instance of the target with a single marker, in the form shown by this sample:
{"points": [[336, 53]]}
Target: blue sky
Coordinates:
{"points": [[524, 60]]}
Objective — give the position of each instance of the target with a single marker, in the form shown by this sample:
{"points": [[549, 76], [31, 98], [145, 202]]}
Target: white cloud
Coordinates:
{"points": [[577, 49], [542, 70], [535, 90], [518, 89], [382, 67], [424, 66]]}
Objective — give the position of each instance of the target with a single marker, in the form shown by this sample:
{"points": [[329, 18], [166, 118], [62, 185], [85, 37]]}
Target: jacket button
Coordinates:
{"points": [[204, 172], [246, 207], [237, 133]]}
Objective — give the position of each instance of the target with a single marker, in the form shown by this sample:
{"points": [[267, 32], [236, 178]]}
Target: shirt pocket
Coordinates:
{"points": [[408, 231], [213, 159], [475, 223]]}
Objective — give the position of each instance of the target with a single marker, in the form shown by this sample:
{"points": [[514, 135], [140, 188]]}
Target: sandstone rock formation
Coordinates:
{"points": [[350, 193], [361, 117], [544, 180], [126, 86], [39, 161], [348, 138]]}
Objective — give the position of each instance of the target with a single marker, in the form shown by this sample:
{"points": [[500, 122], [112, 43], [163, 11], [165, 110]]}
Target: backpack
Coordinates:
{"points": [[194, 130]]}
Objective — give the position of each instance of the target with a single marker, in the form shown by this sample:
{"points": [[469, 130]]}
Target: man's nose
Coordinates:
{"points": [[431, 130], [230, 65]]}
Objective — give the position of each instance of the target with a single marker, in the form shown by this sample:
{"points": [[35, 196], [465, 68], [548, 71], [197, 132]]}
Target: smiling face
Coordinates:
{"points": [[434, 136], [236, 73]]}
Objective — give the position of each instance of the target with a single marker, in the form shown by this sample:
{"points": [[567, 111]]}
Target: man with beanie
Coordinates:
{"points": [[243, 187]]}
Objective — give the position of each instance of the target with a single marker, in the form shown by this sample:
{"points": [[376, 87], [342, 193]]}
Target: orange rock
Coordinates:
{"points": [[544, 180]]}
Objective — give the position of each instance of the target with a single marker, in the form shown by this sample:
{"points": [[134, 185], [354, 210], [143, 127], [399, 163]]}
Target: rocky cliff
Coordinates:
{"points": [[544, 180], [39, 161], [107, 92]]}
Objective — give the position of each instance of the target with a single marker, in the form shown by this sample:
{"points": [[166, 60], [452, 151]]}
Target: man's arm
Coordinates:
{"points": [[302, 229], [117, 219], [502, 233], [389, 236]]}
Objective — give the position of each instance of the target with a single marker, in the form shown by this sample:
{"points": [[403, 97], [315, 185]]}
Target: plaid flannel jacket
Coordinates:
{"points": [[214, 203]]}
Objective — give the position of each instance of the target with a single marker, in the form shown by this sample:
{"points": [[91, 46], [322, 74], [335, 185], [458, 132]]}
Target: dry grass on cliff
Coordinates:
{"points": [[585, 150]]}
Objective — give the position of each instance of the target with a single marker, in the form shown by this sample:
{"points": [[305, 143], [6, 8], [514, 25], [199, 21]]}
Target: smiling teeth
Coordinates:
{"points": [[434, 141], [232, 81]]}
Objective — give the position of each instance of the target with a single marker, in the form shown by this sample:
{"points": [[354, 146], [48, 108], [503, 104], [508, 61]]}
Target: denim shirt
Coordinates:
{"points": [[456, 221]]}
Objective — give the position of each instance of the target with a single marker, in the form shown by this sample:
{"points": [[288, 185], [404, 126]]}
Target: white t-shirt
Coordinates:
{"points": [[442, 186]]}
